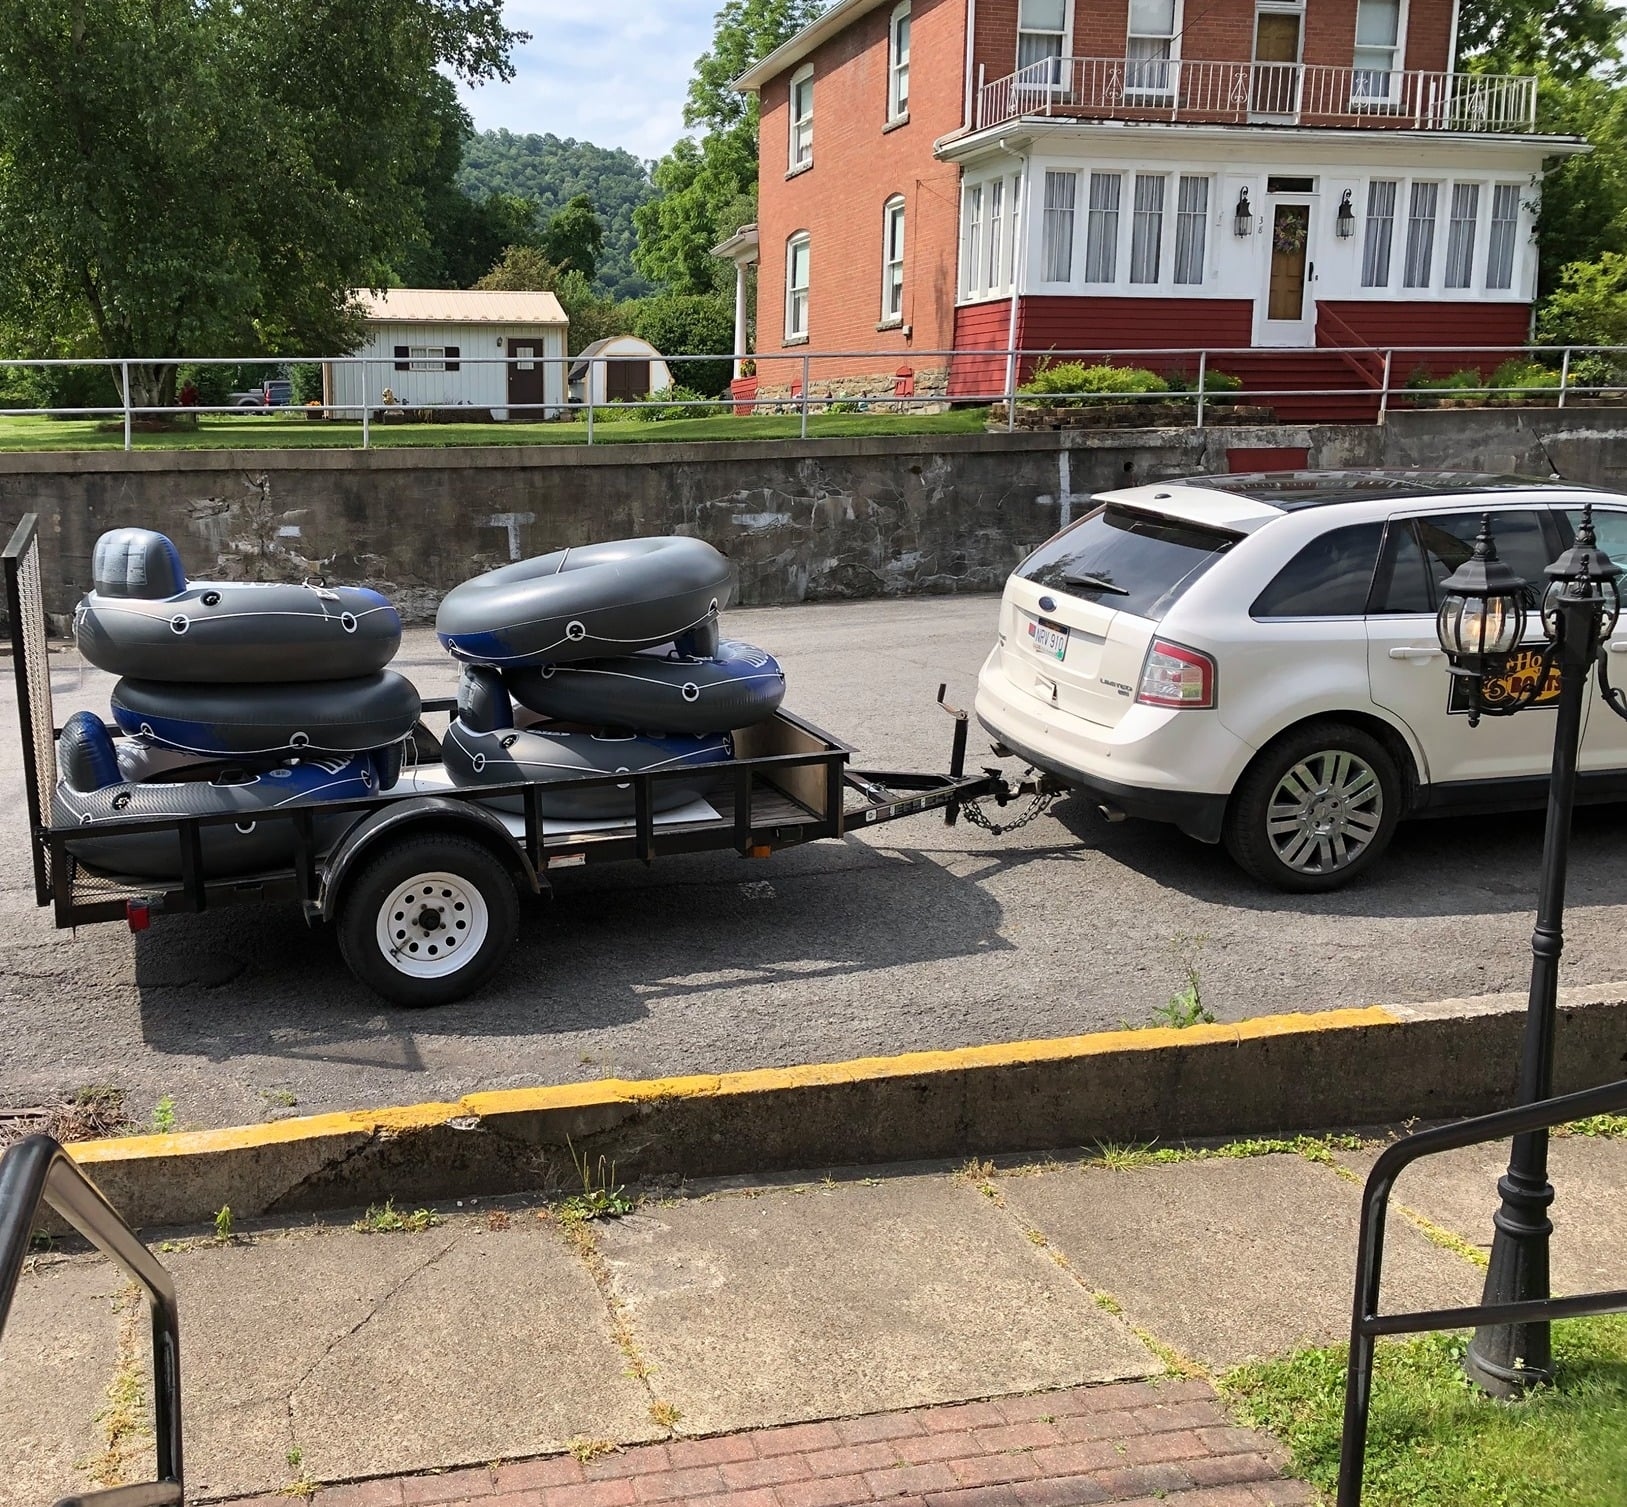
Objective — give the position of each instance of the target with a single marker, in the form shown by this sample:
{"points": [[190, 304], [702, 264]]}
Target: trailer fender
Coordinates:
{"points": [[418, 814]]}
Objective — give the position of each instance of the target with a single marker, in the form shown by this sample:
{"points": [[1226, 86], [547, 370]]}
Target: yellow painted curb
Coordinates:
{"points": [[609, 1092]]}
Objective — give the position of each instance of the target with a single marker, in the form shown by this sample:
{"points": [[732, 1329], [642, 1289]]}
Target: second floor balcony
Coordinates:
{"points": [[1301, 94]]}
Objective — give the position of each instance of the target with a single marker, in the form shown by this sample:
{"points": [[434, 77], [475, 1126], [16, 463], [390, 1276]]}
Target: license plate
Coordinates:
{"points": [[1049, 639]]}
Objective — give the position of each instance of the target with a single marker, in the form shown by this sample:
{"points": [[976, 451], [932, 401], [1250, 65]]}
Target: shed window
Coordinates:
{"points": [[426, 358]]}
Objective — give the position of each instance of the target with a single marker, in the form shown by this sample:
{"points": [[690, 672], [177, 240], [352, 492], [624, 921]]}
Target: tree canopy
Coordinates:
{"points": [[1568, 37], [575, 237], [214, 176]]}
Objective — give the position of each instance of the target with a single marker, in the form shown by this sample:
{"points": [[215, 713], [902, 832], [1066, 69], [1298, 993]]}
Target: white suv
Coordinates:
{"points": [[1254, 659]]}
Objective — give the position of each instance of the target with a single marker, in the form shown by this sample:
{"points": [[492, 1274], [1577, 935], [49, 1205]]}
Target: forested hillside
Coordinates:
{"points": [[552, 171]]}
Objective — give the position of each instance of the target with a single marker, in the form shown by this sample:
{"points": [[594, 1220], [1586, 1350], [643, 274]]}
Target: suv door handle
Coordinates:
{"points": [[1423, 651], [1618, 646]]}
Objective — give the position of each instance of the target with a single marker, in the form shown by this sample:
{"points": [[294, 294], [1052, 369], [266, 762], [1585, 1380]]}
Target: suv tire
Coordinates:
{"points": [[1315, 809]]}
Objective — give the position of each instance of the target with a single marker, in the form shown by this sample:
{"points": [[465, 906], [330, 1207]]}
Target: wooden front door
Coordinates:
{"points": [[525, 369], [626, 381], [1290, 229]]}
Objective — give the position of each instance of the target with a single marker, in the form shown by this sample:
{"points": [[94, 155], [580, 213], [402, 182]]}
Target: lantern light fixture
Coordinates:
{"points": [[1344, 220], [1244, 223]]}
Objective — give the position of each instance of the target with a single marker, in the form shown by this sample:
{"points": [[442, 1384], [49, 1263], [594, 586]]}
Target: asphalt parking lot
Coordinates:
{"points": [[913, 936]]}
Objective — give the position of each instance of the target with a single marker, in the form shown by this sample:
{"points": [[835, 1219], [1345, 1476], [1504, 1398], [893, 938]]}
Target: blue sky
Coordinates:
{"points": [[612, 72]]}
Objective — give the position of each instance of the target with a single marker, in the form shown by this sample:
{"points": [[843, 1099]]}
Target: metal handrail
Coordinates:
{"points": [[1367, 1323], [38, 1171]]}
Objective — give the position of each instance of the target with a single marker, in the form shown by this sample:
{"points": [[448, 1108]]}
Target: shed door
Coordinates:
{"points": [[525, 371], [626, 381]]}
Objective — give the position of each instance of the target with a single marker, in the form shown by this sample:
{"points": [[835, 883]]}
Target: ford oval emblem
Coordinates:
{"points": [[1047, 604]]}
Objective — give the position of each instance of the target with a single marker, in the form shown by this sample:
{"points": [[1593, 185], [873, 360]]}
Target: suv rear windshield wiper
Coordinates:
{"points": [[1093, 583]]}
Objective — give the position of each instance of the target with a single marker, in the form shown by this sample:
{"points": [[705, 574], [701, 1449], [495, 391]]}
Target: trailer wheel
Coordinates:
{"points": [[429, 920]]}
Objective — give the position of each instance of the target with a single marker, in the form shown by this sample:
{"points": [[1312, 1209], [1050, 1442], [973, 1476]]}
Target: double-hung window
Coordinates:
{"points": [[1149, 46], [1505, 220], [1421, 235], [1147, 229], [1013, 262], [898, 63], [1056, 251], [1102, 228], [971, 241], [801, 142], [1378, 40], [997, 197], [1191, 229], [1042, 42], [796, 286], [892, 261], [1460, 228], [1380, 233]]}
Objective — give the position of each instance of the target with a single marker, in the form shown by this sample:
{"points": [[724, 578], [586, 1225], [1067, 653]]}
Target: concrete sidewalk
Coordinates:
{"points": [[504, 1353]]}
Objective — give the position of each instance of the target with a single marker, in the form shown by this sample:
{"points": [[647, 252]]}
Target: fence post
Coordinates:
{"points": [[1013, 363], [588, 389], [805, 378], [1384, 392], [367, 401], [1203, 377], [124, 369], [1564, 375]]}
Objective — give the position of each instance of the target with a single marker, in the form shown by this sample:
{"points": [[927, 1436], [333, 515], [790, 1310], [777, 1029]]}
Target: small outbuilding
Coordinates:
{"points": [[500, 353], [624, 369]]}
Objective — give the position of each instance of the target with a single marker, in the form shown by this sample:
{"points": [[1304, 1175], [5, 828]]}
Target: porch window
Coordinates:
{"points": [[1460, 235], [1421, 234], [1191, 229], [997, 195], [796, 286], [892, 260], [1147, 229], [1061, 189], [971, 241], [801, 143], [1149, 46], [1378, 40], [1042, 41], [1380, 235], [1014, 242], [1102, 228], [1505, 220], [898, 63]]}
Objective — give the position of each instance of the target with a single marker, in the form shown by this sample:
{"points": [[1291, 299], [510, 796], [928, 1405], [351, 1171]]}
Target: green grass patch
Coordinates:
{"points": [[291, 432], [1436, 1441], [1611, 1126]]}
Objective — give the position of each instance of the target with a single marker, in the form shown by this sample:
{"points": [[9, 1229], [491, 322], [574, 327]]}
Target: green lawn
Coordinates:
{"points": [[277, 431], [1436, 1441]]}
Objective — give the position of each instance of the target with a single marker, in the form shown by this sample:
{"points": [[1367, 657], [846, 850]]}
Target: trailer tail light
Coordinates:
{"points": [[1176, 676]]}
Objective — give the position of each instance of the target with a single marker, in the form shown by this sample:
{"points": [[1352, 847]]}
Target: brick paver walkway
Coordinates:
{"points": [[1137, 1443]]}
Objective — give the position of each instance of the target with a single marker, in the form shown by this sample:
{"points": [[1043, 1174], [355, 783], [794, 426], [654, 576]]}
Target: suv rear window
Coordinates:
{"points": [[1133, 561], [1330, 577]]}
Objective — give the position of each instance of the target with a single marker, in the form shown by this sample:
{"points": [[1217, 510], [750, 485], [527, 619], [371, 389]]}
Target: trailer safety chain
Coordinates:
{"points": [[1037, 808]]}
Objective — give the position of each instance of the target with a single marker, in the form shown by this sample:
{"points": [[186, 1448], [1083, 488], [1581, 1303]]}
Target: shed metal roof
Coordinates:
{"points": [[460, 306]]}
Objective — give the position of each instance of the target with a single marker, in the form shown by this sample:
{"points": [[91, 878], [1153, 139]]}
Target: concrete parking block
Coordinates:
{"points": [[1230, 1259], [58, 1356], [787, 1304], [1458, 1190]]}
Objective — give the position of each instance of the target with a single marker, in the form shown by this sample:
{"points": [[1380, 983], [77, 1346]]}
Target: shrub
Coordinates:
{"points": [[1597, 370], [1590, 305], [844, 405], [215, 384], [1217, 385], [1074, 385], [692, 324], [1522, 372], [679, 403], [306, 379]]}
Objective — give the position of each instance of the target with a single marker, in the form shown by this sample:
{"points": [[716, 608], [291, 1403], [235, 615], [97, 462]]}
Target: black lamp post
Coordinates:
{"points": [[1482, 619]]}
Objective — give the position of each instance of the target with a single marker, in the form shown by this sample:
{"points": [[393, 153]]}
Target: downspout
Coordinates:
{"points": [[1452, 39], [1019, 264], [971, 48]]}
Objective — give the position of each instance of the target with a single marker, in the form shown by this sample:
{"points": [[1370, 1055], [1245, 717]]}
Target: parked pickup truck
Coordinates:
{"points": [[278, 393]]}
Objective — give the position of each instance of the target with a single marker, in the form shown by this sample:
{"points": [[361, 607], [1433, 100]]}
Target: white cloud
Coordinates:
{"points": [[613, 72]]}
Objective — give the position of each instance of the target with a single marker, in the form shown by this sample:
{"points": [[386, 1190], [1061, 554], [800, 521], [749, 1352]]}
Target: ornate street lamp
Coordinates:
{"points": [[1482, 619]]}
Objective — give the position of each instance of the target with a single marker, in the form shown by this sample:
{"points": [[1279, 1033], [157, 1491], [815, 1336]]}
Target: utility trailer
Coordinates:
{"points": [[412, 863]]}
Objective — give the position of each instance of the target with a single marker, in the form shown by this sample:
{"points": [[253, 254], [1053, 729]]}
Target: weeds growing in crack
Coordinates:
{"points": [[124, 1420], [602, 1197], [585, 1449], [664, 1416], [386, 1220]]}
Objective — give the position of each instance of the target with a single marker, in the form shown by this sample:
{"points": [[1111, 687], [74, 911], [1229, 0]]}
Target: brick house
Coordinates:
{"points": [[1121, 175]]}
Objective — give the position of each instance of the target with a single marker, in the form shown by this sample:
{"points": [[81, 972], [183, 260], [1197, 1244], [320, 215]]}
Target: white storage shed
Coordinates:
{"points": [[624, 369], [505, 352]]}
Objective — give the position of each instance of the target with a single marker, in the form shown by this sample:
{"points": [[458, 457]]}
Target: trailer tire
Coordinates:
{"points": [[404, 920]]}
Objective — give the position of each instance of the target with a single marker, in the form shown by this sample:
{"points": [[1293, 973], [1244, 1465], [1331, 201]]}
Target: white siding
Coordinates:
{"points": [[481, 380]]}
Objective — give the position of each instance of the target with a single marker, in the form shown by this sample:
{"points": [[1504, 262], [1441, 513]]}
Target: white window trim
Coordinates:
{"points": [[1174, 55], [1067, 48], [897, 111], [428, 358], [1397, 68], [792, 334], [893, 207], [795, 162]]}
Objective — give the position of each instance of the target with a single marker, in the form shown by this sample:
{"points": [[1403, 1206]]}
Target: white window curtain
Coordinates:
{"points": [[898, 69], [1014, 239], [1191, 229], [1056, 256], [1147, 229], [1102, 228], [801, 118], [971, 260], [892, 260], [1460, 235], [1042, 34], [1380, 233], [1378, 38], [1421, 234], [997, 195], [796, 287], [1149, 46], [1505, 221]]}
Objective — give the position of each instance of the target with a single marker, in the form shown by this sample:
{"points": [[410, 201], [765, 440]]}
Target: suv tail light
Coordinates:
{"points": [[1176, 676]]}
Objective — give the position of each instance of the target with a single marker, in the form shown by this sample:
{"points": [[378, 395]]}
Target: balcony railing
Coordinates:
{"points": [[1169, 89]]}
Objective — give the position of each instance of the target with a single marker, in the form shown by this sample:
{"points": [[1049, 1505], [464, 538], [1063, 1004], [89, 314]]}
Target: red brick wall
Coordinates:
{"points": [[857, 167]]}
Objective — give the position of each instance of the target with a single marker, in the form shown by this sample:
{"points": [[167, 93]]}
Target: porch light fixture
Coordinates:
{"points": [[1244, 223], [1344, 221], [1482, 616]]}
